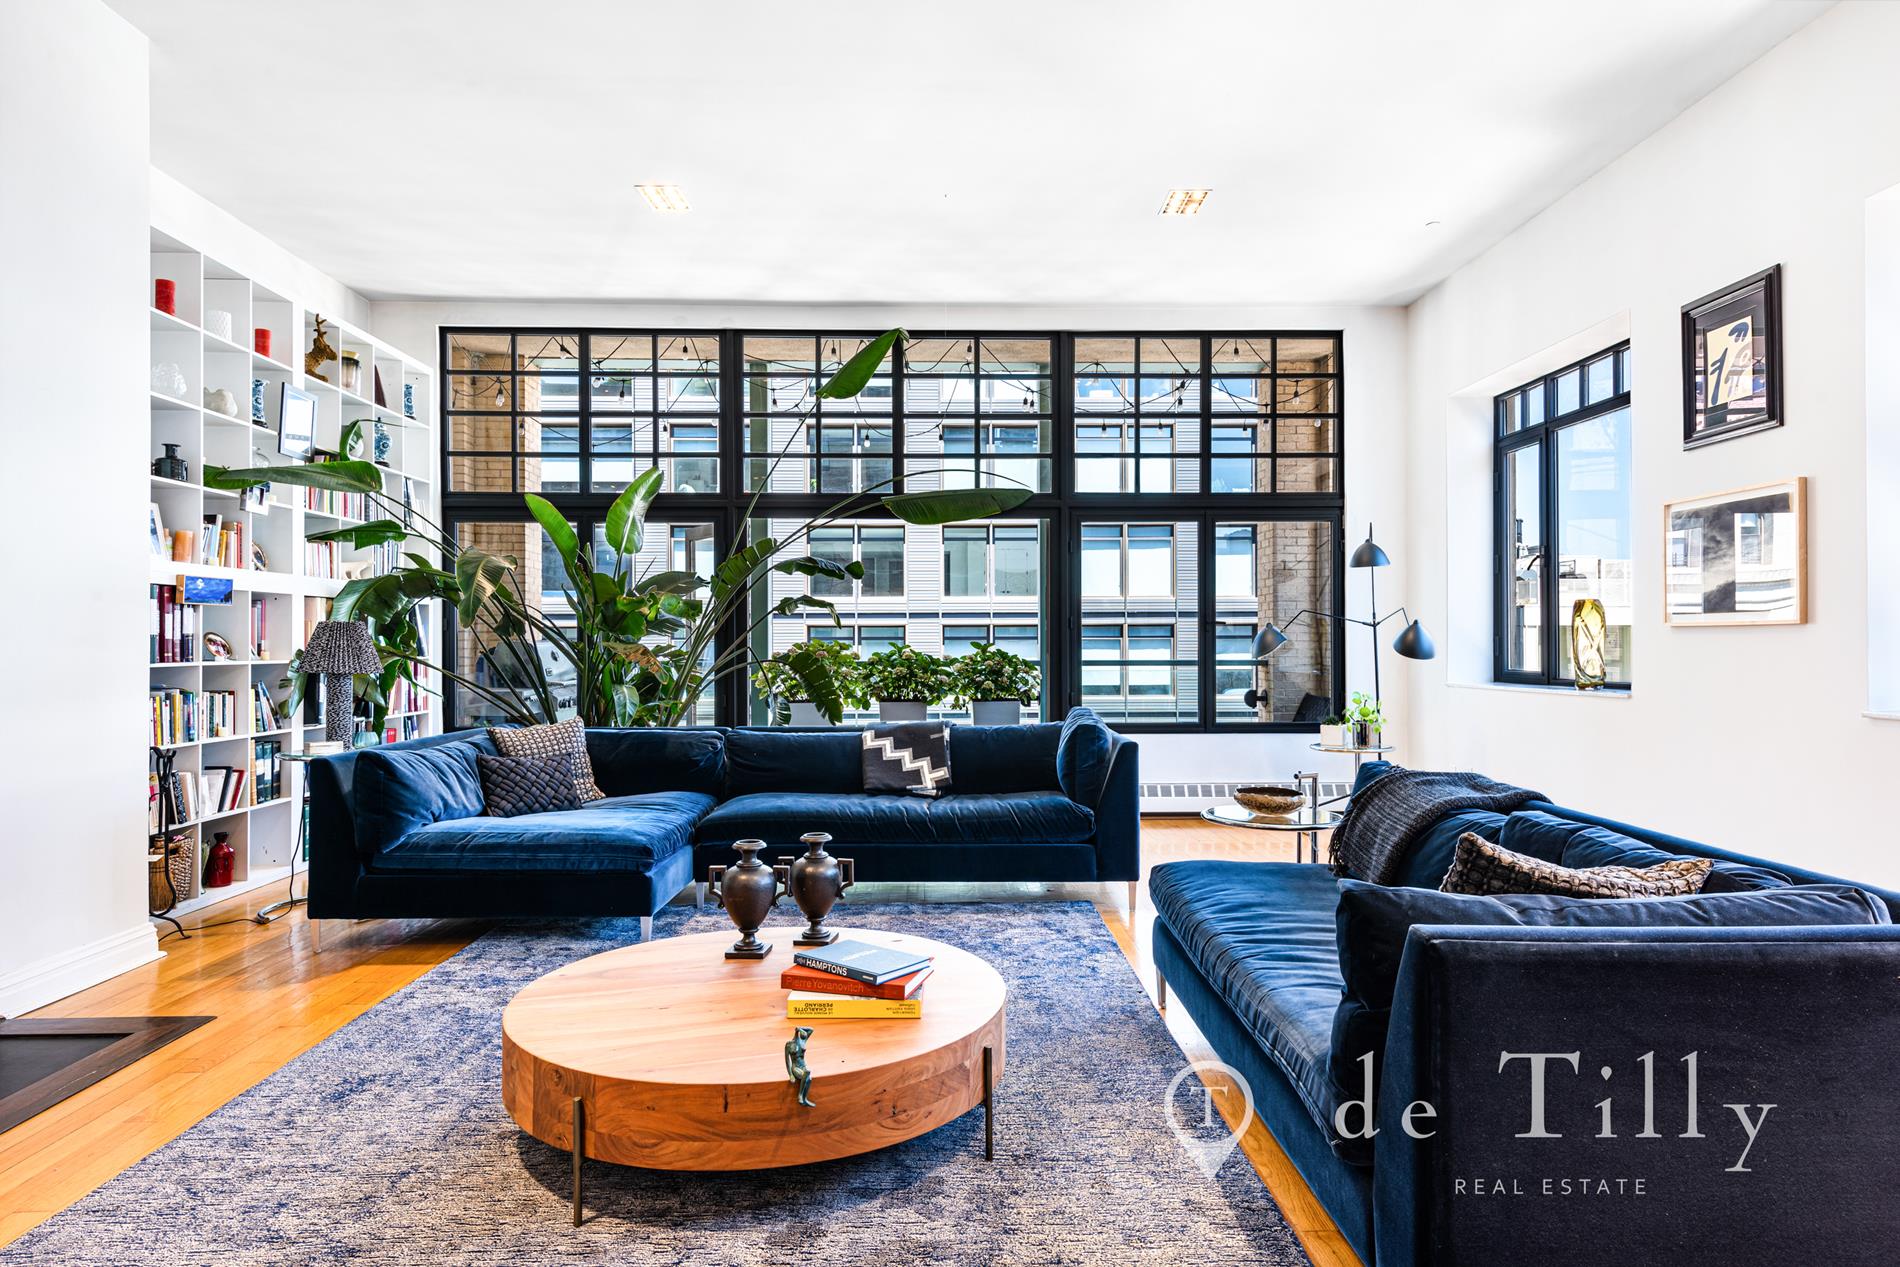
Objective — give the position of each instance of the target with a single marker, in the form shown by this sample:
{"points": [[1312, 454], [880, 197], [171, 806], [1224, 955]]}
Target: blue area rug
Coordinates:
{"points": [[388, 1143]]}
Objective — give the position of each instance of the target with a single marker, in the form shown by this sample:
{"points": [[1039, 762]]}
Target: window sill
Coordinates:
{"points": [[1522, 688], [1880, 715]]}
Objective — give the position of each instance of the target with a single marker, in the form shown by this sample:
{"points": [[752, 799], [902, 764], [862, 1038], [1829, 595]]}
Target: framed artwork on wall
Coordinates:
{"points": [[1738, 558], [1731, 361]]}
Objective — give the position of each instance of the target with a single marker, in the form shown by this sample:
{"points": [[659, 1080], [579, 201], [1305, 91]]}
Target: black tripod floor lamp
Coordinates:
{"points": [[1413, 642]]}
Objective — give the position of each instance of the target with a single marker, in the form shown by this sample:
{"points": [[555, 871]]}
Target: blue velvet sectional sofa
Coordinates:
{"points": [[1774, 986], [399, 831]]}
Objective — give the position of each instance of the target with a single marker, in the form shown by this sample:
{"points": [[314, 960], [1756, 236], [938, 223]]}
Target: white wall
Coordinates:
{"points": [[74, 142], [1748, 738], [1374, 356]]}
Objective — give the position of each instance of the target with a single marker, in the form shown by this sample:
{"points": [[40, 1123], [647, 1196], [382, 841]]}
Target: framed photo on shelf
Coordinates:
{"points": [[1738, 558], [296, 423], [1731, 361]]}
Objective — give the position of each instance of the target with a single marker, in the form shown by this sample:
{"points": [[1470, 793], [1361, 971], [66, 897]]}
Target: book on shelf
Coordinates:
{"points": [[171, 626], [220, 714], [810, 980], [222, 544], [265, 714], [804, 1006], [259, 630], [861, 961], [177, 717], [224, 787], [266, 770]]}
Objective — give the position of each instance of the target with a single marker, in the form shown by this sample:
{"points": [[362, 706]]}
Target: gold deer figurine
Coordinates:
{"points": [[320, 351]]}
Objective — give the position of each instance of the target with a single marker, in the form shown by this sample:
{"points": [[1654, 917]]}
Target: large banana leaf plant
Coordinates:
{"points": [[642, 642]]}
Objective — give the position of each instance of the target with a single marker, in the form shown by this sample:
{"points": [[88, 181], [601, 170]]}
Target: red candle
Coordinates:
{"points": [[260, 341], [165, 295]]}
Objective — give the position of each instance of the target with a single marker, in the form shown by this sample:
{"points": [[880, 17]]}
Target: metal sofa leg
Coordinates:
{"points": [[316, 936], [1161, 991], [699, 895], [646, 928], [1134, 887]]}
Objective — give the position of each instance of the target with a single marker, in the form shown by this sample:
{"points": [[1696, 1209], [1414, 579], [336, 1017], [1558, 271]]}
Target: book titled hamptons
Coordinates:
{"points": [[860, 961]]}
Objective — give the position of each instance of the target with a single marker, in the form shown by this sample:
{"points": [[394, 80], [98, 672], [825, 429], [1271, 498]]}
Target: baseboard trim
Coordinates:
{"points": [[71, 971]]}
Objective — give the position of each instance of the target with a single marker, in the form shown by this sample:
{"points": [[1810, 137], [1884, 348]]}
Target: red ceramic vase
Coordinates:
{"points": [[165, 295], [218, 865], [260, 341]]}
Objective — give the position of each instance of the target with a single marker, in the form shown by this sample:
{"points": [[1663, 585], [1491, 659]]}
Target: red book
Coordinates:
{"points": [[810, 979]]}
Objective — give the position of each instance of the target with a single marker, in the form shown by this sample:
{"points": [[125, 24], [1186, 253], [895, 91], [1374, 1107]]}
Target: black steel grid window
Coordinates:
{"points": [[1231, 441], [1561, 482]]}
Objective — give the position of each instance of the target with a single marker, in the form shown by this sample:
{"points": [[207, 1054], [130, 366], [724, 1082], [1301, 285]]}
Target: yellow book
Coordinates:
{"points": [[803, 1006]]}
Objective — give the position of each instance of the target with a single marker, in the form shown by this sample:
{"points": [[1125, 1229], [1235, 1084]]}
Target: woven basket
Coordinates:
{"points": [[1270, 799], [182, 852]]}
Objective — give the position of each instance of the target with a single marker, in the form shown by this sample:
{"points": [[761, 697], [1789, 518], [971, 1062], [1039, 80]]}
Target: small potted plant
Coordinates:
{"points": [[905, 682], [775, 680], [1335, 731], [1368, 721], [994, 684]]}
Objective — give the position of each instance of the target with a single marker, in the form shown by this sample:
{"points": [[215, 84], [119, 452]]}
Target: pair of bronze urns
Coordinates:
{"points": [[749, 890]]}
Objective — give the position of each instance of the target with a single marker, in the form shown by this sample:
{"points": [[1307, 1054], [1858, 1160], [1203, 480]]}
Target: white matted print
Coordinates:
{"points": [[1737, 558]]}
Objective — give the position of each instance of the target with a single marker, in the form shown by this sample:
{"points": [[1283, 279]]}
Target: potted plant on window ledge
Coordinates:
{"points": [[994, 684], [905, 682], [790, 701]]}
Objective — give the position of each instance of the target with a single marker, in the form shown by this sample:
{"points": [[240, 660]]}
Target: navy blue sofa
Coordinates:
{"points": [[1784, 983], [399, 831]]}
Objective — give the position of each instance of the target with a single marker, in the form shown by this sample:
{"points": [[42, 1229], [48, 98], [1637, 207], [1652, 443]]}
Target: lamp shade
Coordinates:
{"points": [[1414, 643], [1368, 555], [341, 646], [1267, 641]]}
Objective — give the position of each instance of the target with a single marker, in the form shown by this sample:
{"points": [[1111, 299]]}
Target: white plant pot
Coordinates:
{"points": [[1336, 736], [805, 713], [896, 710], [996, 712]]}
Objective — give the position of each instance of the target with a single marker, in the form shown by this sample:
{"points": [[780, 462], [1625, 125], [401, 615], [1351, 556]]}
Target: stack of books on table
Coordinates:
{"points": [[856, 981]]}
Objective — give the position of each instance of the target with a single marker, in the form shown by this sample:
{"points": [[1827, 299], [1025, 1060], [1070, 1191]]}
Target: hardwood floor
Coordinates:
{"points": [[273, 998]]}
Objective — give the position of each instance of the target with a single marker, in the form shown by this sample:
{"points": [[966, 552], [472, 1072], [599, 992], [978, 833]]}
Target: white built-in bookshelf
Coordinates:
{"points": [[286, 585]]}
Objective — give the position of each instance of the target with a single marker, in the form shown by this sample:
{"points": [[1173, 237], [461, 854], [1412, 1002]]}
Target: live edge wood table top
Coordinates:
{"points": [[678, 1055]]}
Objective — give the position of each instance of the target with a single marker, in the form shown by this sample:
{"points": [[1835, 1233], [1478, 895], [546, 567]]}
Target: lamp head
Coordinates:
{"points": [[1414, 643], [1368, 555], [1269, 640]]}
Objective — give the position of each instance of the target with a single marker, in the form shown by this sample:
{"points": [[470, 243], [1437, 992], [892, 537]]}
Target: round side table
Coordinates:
{"points": [[1358, 754], [1306, 823]]}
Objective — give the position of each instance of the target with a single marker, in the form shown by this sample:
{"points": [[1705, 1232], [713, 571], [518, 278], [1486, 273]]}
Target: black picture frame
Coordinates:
{"points": [[1756, 301]]}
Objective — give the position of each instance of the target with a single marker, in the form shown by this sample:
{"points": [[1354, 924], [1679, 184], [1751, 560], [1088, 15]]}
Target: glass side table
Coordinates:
{"points": [[1358, 754], [1306, 823]]}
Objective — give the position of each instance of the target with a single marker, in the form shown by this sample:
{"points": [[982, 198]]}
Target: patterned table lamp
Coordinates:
{"points": [[340, 649]]}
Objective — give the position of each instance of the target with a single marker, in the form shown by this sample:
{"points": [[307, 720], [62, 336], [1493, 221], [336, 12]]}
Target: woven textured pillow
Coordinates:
{"points": [[1482, 868], [527, 785], [568, 737], [911, 759]]}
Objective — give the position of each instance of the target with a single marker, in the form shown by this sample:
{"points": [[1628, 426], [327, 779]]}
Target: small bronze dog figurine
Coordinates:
{"points": [[795, 1067]]}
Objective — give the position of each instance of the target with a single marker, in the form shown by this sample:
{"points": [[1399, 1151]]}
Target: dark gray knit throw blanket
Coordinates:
{"points": [[1388, 814]]}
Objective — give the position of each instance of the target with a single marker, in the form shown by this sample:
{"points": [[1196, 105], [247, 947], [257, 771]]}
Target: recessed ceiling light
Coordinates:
{"points": [[1184, 202], [664, 197]]}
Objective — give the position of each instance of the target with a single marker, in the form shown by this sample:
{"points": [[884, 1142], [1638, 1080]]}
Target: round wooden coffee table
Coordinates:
{"points": [[667, 1055]]}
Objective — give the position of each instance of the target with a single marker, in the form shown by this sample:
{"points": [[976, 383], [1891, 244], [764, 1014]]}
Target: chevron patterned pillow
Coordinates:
{"points": [[527, 785], [912, 758]]}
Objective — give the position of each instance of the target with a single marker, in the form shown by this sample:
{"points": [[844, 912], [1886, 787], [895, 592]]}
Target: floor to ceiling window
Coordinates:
{"points": [[1563, 519], [1184, 488]]}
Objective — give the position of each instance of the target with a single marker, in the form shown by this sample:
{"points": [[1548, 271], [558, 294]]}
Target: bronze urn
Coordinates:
{"points": [[816, 881], [748, 891]]}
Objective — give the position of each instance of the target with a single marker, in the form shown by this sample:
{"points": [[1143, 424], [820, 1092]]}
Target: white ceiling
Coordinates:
{"points": [[975, 151]]}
